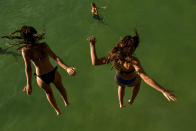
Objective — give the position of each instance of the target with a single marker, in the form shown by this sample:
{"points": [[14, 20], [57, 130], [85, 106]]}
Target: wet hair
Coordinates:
{"points": [[124, 49], [93, 4], [27, 36]]}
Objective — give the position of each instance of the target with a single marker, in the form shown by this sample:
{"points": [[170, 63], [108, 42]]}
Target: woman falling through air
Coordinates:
{"points": [[39, 53], [129, 71]]}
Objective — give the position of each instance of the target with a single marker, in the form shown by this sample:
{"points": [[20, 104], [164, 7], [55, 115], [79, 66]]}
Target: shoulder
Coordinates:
{"points": [[43, 44], [137, 65], [26, 53], [106, 59], [135, 61], [25, 49]]}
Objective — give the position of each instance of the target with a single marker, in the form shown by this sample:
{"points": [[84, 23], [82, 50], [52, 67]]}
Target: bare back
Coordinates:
{"points": [[38, 55]]}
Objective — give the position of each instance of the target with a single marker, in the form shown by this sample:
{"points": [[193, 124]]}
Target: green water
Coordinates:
{"points": [[167, 29]]}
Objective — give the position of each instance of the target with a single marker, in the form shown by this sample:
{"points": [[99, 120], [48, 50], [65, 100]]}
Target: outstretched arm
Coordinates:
{"points": [[167, 93], [103, 7], [70, 70], [94, 59], [28, 71]]}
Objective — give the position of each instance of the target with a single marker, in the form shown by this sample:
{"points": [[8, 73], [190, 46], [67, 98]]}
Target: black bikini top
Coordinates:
{"points": [[40, 58], [43, 54]]}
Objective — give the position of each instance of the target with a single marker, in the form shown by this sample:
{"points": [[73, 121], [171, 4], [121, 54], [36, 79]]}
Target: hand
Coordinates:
{"points": [[103, 7], [135, 31], [28, 89], [92, 40], [71, 71], [169, 96]]}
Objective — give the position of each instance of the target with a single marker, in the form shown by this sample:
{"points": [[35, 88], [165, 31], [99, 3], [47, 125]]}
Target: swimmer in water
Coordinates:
{"points": [[94, 11]]}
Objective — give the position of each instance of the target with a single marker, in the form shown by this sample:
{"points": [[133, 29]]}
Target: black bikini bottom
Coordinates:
{"points": [[48, 77], [125, 82]]}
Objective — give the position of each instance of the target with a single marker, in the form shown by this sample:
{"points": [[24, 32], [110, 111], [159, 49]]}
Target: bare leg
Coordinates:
{"points": [[134, 93], [61, 89], [121, 94], [49, 95]]}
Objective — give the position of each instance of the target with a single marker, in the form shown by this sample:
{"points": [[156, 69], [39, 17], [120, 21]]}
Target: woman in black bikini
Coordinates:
{"points": [[129, 71], [39, 53]]}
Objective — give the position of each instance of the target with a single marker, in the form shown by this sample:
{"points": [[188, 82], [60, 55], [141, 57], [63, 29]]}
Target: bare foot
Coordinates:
{"points": [[130, 101], [58, 113], [66, 104], [122, 106]]}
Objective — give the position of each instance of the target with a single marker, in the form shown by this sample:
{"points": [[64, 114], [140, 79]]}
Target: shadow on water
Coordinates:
{"points": [[98, 18]]}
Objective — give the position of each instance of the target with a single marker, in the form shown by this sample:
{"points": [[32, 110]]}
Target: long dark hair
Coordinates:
{"points": [[124, 49], [27, 36], [93, 4]]}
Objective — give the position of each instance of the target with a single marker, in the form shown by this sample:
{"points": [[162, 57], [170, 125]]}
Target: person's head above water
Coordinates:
{"points": [[93, 5]]}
